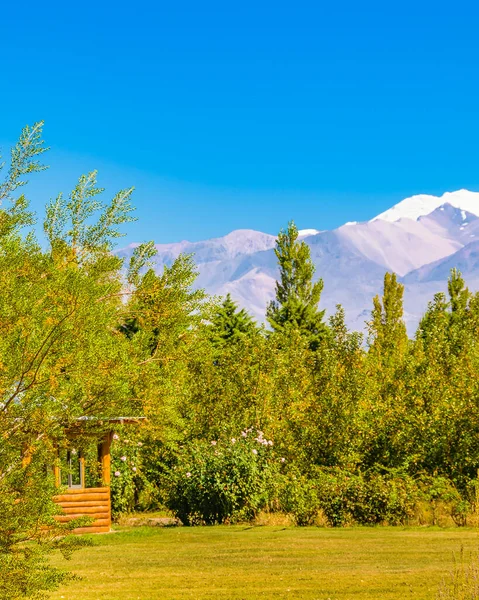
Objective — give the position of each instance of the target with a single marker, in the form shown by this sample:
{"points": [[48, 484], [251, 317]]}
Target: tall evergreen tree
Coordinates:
{"points": [[297, 296], [229, 323]]}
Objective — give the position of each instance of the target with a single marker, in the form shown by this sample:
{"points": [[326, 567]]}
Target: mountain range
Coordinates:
{"points": [[420, 239]]}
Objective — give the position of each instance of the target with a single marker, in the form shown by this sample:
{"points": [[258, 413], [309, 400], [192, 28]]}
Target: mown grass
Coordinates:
{"points": [[245, 563]]}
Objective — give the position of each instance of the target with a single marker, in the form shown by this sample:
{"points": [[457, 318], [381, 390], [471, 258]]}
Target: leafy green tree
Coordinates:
{"points": [[297, 296], [386, 361], [446, 384], [61, 357], [229, 323], [387, 330], [323, 417]]}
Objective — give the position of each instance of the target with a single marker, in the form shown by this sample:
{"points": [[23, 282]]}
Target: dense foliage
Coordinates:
{"points": [[368, 430]]}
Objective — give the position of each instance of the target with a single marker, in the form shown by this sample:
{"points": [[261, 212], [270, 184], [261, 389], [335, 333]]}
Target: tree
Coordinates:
{"points": [[297, 296], [61, 356], [228, 323], [387, 330]]}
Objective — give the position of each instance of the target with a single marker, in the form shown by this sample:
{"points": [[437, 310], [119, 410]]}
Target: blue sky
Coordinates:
{"points": [[245, 115]]}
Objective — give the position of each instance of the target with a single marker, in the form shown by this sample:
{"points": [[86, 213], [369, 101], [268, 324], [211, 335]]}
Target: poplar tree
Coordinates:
{"points": [[297, 295], [387, 330]]}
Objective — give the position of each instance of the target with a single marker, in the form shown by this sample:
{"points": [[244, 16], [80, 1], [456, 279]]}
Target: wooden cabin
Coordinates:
{"points": [[80, 498]]}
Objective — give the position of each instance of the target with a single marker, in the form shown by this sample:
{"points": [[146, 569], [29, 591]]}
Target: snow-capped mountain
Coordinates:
{"points": [[423, 204], [420, 238]]}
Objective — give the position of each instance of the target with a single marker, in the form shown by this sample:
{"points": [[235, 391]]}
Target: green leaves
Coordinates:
{"points": [[140, 259], [85, 224], [24, 159]]}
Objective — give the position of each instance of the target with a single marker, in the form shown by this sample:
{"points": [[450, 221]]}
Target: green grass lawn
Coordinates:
{"points": [[243, 562]]}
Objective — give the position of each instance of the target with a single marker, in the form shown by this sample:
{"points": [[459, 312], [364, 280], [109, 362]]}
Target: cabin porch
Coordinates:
{"points": [[81, 499]]}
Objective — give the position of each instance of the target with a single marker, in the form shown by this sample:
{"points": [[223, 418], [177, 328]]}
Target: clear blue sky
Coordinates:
{"points": [[247, 114]]}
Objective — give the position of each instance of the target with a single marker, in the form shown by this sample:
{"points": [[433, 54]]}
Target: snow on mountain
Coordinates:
{"points": [[420, 239], [302, 233], [424, 204]]}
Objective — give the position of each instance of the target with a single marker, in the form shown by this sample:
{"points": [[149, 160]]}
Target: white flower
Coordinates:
{"points": [[116, 436], [188, 474], [254, 451], [134, 469], [123, 458], [139, 444], [244, 434], [117, 473], [270, 442], [282, 460], [233, 440], [74, 452], [213, 442]]}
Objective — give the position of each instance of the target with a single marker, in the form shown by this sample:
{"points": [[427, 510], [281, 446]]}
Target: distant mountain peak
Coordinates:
{"points": [[421, 205], [302, 233]]}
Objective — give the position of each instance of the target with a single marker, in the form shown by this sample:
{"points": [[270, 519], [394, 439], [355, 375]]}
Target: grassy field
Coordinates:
{"points": [[245, 563]]}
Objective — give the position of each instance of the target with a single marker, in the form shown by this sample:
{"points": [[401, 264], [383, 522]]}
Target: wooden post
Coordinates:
{"points": [[82, 471], [56, 467], [105, 458]]}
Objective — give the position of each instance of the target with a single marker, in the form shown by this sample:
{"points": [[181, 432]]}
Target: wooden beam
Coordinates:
{"points": [[105, 458]]}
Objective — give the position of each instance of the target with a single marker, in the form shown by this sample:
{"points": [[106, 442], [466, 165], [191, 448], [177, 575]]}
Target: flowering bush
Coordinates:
{"points": [[215, 481], [127, 478]]}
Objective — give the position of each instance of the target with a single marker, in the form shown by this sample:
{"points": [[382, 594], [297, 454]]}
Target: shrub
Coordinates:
{"points": [[215, 481], [366, 499], [441, 492], [127, 477], [298, 497], [389, 497]]}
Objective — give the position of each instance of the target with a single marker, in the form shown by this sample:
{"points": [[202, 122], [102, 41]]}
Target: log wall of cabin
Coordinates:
{"points": [[89, 502]]}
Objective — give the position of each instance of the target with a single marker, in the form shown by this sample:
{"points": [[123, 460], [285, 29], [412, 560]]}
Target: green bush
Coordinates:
{"points": [[216, 481], [440, 492], [298, 497], [367, 499], [127, 477]]}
